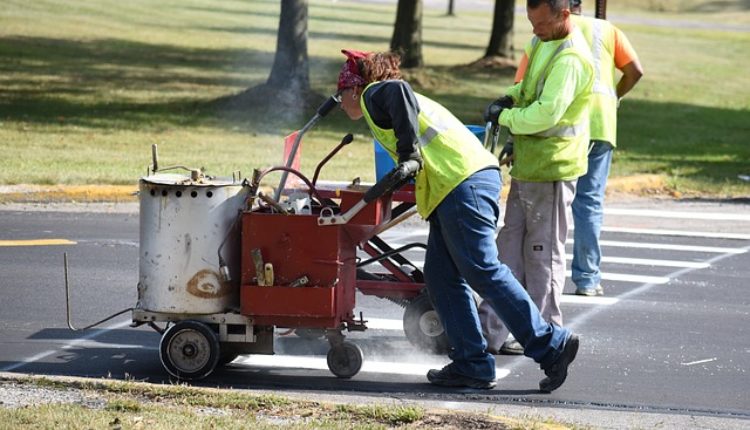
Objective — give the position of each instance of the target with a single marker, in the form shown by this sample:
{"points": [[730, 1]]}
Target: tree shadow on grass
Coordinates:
{"points": [[63, 82]]}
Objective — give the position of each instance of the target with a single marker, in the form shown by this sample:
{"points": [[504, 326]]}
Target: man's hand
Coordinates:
{"points": [[506, 155], [507, 150], [493, 110]]}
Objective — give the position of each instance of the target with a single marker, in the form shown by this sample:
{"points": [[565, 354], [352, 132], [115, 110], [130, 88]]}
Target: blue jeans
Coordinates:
{"points": [[461, 252], [587, 217]]}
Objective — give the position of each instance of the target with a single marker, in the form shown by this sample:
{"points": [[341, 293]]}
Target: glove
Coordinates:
{"points": [[394, 179], [493, 110], [507, 151]]}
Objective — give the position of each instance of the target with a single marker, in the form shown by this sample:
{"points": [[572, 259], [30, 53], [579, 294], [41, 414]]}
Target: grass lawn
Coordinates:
{"points": [[86, 87]]}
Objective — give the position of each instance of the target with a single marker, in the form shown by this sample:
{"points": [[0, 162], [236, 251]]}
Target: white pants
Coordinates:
{"points": [[532, 244]]}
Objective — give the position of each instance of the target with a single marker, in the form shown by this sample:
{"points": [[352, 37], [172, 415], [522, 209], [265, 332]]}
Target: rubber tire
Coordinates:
{"points": [[420, 315], [189, 341], [345, 360]]}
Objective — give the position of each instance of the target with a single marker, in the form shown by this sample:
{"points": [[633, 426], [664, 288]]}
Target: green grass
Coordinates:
{"points": [[138, 405], [86, 87]]}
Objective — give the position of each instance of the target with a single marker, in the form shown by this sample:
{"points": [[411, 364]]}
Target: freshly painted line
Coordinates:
{"points": [[674, 247], [384, 324], [67, 345], [624, 277], [368, 366], [650, 213], [583, 300], [36, 242], [650, 262], [684, 233]]}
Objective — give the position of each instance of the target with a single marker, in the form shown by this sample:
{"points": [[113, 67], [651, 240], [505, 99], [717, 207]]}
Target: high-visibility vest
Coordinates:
{"points": [[600, 36], [559, 153], [450, 152]]}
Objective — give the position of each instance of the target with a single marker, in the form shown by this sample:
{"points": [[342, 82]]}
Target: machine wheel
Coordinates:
{"points": [[189, 350], [344, 359], [422, 326], [310, 333]]}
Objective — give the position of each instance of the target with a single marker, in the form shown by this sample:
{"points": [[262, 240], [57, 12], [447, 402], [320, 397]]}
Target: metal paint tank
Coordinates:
{"points": [[183, 223]]}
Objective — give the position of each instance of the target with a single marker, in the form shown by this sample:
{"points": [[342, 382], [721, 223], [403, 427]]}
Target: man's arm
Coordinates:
{"points": [[563, 84], [631, 74], [626, 61]]}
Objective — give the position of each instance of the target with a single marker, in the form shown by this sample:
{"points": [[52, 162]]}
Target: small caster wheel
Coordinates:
{"points": [[344, 359], [189, 350], [423, 328]]}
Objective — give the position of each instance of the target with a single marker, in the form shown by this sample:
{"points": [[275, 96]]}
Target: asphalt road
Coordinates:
{"points": [[669, 343]]}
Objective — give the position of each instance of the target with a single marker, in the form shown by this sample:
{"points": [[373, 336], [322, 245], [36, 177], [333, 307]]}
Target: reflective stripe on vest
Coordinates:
{"points": [[597, 47], [558, 130]]}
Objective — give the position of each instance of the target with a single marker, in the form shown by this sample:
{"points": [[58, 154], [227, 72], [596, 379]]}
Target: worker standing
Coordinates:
{"points": [[611, 50], [547, 112], [457, 189]]}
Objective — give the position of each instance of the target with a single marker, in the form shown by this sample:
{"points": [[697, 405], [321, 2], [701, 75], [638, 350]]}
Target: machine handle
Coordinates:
{"points": [[392, 180]]}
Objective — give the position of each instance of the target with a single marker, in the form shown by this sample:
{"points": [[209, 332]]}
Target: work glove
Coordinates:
{"points": [[393, 180], [493, 110], [507, 152]]}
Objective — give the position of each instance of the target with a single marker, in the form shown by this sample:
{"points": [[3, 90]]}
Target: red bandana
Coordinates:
{"points": [[350, 76]]}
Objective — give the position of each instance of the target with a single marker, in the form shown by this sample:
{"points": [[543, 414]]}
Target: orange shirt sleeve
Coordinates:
{"points": [[522, 68], [624, 52]]}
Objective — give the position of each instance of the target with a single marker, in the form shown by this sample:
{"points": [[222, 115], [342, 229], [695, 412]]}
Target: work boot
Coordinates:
{"points": [[511, 347], [446, 377], [558, 371], [590, 292]]}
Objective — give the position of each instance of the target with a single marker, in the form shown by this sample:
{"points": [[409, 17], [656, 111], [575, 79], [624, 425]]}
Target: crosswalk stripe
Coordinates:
{"points": [[673, 247], [651, 213], [662, 232], [624, 277], [651, 262]]}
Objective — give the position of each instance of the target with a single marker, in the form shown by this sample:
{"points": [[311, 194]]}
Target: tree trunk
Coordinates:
{"points": [[291, 70], [501, 38], [407, 33], [451, 8]]}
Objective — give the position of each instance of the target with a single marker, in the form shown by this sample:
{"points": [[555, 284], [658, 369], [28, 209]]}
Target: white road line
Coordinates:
{"points": [[673, 247], [368, 365], [650, 213], [67, 345], [384, 324], [661, 232], [651, 262], [646, 245], [625, 277], [583, 300]]}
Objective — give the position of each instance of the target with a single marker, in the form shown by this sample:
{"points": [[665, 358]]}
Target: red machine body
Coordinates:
{"points": [[298, 248]]}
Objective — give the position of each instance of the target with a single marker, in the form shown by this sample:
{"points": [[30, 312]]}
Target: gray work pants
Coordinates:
{"points": [[532, 244]]}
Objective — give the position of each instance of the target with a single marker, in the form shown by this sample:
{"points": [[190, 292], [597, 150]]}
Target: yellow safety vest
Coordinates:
{"points": [[558, 153], [450, 152], [600, 36]]}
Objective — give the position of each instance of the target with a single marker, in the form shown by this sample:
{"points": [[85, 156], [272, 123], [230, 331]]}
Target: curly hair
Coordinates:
{"points": [[380, 66]]}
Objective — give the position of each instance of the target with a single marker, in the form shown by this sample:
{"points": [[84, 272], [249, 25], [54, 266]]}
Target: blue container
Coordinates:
{"points": [[478, 131], [384, 163]]}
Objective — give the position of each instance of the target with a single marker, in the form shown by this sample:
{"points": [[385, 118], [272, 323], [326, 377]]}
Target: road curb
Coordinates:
{"points": [[638, 185]]}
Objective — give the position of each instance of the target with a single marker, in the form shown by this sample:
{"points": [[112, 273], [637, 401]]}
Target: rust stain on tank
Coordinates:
{"points": [[207, 284]]}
